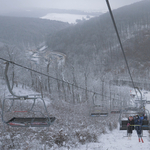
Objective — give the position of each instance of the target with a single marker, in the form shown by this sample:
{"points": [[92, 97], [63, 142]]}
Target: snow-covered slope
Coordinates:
{"points": [[116, 140]]}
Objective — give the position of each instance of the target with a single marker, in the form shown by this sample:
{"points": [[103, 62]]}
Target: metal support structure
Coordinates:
{"points": [[8, 84], [98, 110], [44, 121]]}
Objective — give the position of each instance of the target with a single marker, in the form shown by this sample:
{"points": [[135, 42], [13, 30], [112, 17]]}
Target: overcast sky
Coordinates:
{"points": [[64, 4]]}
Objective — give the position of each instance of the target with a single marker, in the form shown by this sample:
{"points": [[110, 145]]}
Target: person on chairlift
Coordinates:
{"points": [[138, 127], [130, 126], [142, 117]]}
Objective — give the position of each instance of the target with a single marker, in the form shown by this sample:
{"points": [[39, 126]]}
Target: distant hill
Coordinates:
{"points": [[69, 16], [26, 31], [96, 40]]}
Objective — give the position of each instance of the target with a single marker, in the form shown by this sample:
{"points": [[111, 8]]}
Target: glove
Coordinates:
{"points": [[128, 124]]}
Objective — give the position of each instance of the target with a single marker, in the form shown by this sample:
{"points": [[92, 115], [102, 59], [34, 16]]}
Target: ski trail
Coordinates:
{"points": [[116, 140]]}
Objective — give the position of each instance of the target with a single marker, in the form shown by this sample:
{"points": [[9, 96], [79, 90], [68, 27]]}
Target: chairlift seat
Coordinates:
{"points": [[25, 122], [145, 125], [102, 114], [98, 111], [148, 102], [115, 111], [31, 122]]}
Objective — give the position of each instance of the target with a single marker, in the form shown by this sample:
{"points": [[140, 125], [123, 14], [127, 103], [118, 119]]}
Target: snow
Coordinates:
{"points": [[111, 140], [118, 142], [70, 18], [43, 48], [115, 140]]}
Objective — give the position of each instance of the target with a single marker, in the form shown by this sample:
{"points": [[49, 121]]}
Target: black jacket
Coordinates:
{"points": [[130, 128]]}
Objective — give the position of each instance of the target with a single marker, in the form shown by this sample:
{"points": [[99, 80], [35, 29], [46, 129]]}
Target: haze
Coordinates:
{"points": [[10, 5]]}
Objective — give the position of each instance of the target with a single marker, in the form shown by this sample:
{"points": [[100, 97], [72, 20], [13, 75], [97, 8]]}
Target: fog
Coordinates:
{"points": [[9, 5]]}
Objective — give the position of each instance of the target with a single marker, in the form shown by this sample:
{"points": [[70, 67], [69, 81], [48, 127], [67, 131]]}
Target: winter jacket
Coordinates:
{"points": [[138, 121], [130, 128], [142, 117]]}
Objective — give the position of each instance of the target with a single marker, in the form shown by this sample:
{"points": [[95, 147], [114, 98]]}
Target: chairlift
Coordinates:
{"points": [[98, 110], [134, 111], [148, 102], [44, 121], [115, 109]]}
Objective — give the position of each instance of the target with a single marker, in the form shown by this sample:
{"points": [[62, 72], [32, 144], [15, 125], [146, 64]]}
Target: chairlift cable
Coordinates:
{"points": [[113, 20], [52, 77]]}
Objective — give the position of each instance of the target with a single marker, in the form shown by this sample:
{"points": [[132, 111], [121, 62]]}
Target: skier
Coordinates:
{"points": [[138, 127], [130, 127]]}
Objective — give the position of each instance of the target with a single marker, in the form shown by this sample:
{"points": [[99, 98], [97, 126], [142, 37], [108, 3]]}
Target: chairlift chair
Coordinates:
{"points": [[98, 110], [148, 102], [114, 109], [134, 111], [30, 122], [45, 121]]}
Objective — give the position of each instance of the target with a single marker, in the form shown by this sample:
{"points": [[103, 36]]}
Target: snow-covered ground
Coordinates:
{"points": [[115, 140], [70, 18]]}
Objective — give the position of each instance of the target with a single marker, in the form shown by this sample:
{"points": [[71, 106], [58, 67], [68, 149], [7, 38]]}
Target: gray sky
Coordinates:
{"points": [[64, 4]]}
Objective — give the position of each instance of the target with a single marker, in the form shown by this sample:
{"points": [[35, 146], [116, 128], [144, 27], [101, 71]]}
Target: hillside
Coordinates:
{"points": [[27, 31], [96, 39], [86, 53]]}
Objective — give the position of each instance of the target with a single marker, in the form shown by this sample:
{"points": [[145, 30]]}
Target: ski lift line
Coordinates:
{"points": [[113, 20], [53, 77]]}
